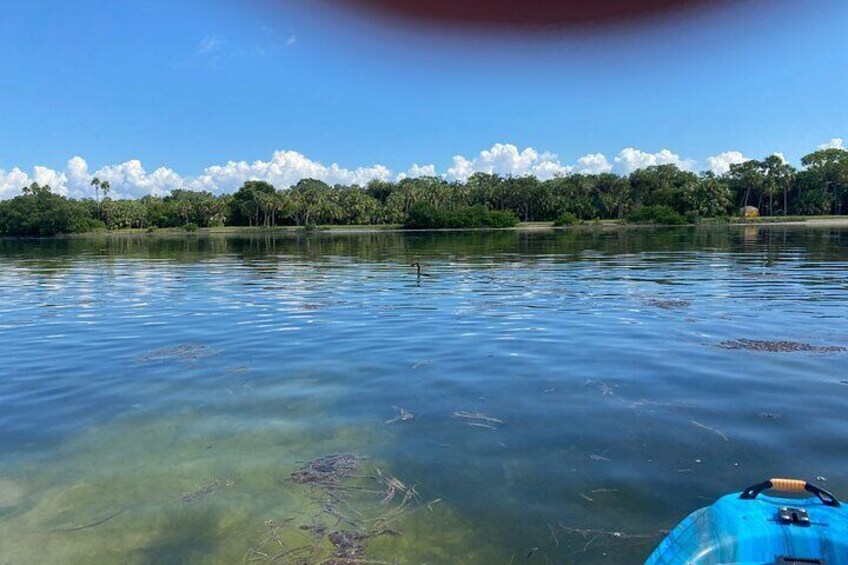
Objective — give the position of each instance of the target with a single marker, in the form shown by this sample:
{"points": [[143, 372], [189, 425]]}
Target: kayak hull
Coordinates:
{"points": [[740, 531]]}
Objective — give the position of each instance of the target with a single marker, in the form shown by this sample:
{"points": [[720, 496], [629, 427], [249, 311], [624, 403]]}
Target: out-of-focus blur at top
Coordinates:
{"points": [[524, 14]]}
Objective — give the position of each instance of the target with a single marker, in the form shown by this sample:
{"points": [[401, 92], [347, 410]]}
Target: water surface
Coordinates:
{"points": [[138, 370]]}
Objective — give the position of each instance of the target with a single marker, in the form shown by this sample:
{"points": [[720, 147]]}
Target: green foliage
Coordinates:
{"points": [[191, 227], [708, 197], [123, 214], [500, 219], [658, 214], [85, 224], [813, 202], [662, 185], [428, 216], [258, 203], [40, 212], [566, 219], [658, 194], [313, 202], [198, 207]]}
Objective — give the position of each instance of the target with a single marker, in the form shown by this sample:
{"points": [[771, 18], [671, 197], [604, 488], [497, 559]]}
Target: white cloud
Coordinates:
{"points": [[720, 164], [593, 164], [130, 179], [630, 159], [283, 170], [291, 40], [835, 143], [417, 170], [79, 180], [56, 180], [12, 182], [506, 159], [462, 168]]}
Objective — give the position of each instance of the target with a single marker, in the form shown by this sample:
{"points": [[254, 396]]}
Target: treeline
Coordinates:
{"points": [[663, 194]]}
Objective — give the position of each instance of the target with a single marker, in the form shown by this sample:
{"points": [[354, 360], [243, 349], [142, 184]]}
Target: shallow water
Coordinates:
{"points": [[136, 371]]}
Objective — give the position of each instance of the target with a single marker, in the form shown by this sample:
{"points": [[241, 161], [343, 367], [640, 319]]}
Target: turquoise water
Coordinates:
{"points": [[555, 397]]}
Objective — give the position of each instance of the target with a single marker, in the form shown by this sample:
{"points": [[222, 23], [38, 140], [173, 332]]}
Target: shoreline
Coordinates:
{"points": [[606, 225]]}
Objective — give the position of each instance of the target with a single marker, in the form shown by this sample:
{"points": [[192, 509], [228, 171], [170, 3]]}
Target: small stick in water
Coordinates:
{"points": [[553, 534], [403, 415], [711, 429], [476, 416], [93, 524], [479, 425]]}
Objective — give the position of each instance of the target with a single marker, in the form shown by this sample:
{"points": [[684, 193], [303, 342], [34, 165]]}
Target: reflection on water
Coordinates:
{"points": [[552, 397]]}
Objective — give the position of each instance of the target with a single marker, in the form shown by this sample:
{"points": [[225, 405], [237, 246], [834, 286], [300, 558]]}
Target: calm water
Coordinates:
{"points": [[156, 394]]}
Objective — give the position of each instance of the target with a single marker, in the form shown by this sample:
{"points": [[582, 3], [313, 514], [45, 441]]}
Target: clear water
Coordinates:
{"points": [[614, 414]]}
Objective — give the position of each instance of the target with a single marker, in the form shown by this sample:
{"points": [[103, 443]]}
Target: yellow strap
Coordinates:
{"points": [[788, 485]]}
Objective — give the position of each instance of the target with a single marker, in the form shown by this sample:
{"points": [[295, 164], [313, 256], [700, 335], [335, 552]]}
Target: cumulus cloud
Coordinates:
{"points": [[720, 164], [283, 170], [55, 179], [593, 164], [416, 171], [835, 143], [506, 159], [631, 159], [12, 182], [131, 179]]}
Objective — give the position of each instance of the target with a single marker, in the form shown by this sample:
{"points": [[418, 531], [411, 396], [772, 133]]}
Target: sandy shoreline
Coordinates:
{"points": [[606, 225]]}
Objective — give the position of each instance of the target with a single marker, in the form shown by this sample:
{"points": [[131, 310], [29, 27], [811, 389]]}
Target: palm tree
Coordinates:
{"points": [[95, 182]]}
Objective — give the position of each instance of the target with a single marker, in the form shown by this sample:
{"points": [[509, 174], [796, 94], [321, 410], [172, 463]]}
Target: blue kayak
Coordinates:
{"points": [[746, 528]]}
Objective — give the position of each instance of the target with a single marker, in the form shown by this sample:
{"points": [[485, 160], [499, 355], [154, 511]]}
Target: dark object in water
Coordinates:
{"points": [[761, 529], [186, 352], [418, 266], [368, 506], [779, 346], [327, 471], [669, 304], [351, 544]]}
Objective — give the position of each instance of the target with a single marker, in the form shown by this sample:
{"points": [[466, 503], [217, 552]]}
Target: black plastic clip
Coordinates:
{"points": [[793, 516]]}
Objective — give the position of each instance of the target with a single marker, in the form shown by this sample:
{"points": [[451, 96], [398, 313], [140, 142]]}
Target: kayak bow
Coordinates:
{"points": [[748, 529]]}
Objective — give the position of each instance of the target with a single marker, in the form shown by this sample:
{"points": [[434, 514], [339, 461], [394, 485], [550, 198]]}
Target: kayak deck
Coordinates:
{"points": [[762, 530]]}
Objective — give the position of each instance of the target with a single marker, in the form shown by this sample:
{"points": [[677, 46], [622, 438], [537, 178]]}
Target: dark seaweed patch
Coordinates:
{"points": [[186, 352], [352, 508], [779, 346], [669, 304]]}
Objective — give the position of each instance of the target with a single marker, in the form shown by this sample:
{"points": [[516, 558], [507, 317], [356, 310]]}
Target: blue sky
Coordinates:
{"points": [[179, 89]]}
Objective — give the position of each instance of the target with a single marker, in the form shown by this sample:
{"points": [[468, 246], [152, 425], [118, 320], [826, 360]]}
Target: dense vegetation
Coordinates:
{"points": [[659, 194], [428, 216]]}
